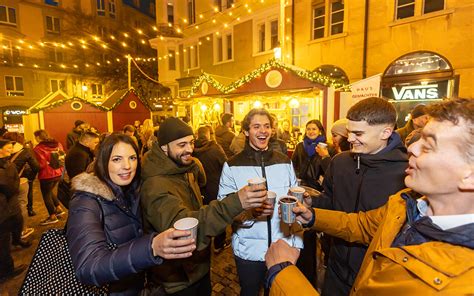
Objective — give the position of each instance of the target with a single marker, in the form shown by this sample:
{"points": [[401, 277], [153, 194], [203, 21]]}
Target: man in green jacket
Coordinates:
{"points": [[170, 191]]}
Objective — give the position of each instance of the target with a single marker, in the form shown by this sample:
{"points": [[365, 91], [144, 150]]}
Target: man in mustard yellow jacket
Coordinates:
{"points": [[415, 244]]}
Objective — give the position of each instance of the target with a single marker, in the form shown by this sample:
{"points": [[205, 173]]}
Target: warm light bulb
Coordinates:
{"points": [[257, 104]]}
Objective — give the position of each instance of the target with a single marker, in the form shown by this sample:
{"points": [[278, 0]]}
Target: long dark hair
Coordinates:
{"points": [[318, 124], [101, 166]]}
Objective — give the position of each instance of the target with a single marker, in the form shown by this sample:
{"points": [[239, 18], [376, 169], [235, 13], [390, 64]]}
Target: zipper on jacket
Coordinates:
{"points": [[269, 218]]}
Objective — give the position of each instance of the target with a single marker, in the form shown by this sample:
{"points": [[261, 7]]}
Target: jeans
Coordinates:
{"points": [[50, 199], [12, 226], [251, 276], [29, 206]]}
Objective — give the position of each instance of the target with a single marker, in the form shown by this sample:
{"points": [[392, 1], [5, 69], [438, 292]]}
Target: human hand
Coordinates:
{"points": [[265, 210], [252, 196], [307, 200], [322, 151], [279, 252], [303, 214], [168, 246]]}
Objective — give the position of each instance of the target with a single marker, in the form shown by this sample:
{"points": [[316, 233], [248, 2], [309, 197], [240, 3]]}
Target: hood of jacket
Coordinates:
{"points": [[395, 151], [221, 130], [202, 145], [50, 144], [156, 163], [90, 183]]}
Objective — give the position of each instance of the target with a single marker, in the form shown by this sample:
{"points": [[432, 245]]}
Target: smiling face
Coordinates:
{"points": [[180, 150], [259, 132], [6, 150], [438, 163], [312, 131], [367, 139], [123, 164]]}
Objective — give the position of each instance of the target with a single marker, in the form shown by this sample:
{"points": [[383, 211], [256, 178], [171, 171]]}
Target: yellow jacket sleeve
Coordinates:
{"points": [[290, 281]]}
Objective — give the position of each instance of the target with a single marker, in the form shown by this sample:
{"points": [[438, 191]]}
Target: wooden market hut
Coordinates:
{"points": [[124, 107]]}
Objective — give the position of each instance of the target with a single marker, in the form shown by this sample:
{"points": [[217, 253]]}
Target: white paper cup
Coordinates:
{"points": [[297, 192], [271, 197], [322, 145], [287, 203], [188, 223], [256, 181]]}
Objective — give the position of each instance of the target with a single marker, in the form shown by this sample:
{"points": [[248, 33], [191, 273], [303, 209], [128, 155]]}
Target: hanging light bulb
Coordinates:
{"points": [[294, 103], [257, 104]]}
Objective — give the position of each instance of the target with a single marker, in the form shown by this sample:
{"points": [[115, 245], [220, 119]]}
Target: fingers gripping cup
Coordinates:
{"points": [[271, 197], [287, 203], [297, 192], [322, 145], [188, 223]]}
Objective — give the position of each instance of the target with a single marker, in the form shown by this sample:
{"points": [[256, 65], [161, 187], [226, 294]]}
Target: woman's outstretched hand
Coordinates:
{"points": [[167, 244]]}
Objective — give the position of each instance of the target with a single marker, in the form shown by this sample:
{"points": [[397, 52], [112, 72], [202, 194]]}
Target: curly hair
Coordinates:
{"points": [[460, 112], [257, 111]]}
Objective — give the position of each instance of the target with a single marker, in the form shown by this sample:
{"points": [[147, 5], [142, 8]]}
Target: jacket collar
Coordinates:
{"points": [[90, 183]]}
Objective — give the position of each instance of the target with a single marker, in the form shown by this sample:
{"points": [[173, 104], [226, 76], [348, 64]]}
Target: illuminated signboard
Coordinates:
{"points": [[424, 91]]}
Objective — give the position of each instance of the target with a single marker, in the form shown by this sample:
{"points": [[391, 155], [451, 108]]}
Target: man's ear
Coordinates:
{"points": [[165, 149], [467, 183], [386, 132], [246, 133]]}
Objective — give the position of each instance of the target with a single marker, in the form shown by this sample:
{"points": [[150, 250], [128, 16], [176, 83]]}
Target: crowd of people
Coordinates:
{"points": [[389, 219]]}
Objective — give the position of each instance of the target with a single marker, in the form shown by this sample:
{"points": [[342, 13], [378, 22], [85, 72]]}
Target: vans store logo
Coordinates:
{"points": [[416, 92]]}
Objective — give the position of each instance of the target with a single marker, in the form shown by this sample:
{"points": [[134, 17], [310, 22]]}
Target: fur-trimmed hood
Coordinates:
{"points": [[90, 183]]}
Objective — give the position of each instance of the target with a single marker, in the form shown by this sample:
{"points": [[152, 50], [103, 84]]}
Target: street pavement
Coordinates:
{"points": [[223, 271]]}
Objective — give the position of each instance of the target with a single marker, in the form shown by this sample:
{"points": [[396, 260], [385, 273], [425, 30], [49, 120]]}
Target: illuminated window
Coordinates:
{"points": [[327, 14], [7, 15], [417, 62], [14, 86], [9, 53]]}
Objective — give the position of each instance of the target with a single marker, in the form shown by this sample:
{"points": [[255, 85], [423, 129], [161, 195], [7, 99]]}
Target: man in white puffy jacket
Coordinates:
{"points": [[254, 230]]}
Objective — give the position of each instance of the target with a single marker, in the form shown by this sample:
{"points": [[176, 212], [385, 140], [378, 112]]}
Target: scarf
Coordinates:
{"points": [[310, 145], [418, 230]]}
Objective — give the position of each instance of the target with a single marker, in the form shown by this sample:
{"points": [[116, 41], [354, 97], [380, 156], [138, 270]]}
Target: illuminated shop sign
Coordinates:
{"points": [[425, 91], [14, 112]]}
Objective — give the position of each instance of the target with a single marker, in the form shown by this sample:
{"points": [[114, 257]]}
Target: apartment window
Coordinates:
{"points": [[56, 55], [328, 14], [405, 8], [53, 25], [191, 57], [170, 11], [433, 5], [52, 2], [9, 53], [56, 84], [171, 60], [191, 12], [267, 35], [97, 90], [14, 86], [7, 15], [223, 47], [112, 8], [101, 7]]}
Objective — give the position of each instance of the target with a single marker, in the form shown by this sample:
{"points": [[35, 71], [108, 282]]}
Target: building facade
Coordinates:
{"points": [[423, 48], [69, 45]]}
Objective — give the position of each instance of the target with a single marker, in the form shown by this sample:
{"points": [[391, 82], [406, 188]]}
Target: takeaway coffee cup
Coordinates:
{"points": [[256, 181], [188, 223], [271, 197], [297, 192], [322, 145], [287, 203]]}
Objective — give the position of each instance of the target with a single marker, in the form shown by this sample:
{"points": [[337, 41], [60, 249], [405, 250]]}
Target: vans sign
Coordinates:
{"points": [[407, 92]]}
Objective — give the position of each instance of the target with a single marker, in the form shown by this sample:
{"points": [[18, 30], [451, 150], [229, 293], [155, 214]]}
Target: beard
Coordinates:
{"points": [[176, 158]]}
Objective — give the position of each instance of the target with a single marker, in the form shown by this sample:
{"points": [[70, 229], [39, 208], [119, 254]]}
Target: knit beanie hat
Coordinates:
{"points": [[173, 129], [340, 127], [418, 111], [78, 122]]}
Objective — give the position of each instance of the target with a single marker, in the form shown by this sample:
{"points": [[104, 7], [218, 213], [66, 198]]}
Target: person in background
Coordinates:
{"points": [[81, 154], [361, 179], [276, 143], [27, 167], [130, 131], [106, 204], [11, 220], [73, 136], [339, 135], [238, 143], [422, 240], [212, 157], [48, 176], [418, 119], [284, 133], [224, 133], [306, 161], [147, 135], [137, 125], [170, 191], [255, 229]]}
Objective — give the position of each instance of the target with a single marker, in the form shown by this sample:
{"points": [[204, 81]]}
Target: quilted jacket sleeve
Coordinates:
{"points": [[93, 261]]}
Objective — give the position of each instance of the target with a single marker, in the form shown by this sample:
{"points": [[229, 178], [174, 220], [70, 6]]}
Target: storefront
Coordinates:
{"points": [[12, 117], [415, 78]]}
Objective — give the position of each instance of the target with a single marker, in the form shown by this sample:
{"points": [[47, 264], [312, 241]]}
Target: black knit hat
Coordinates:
{"points": [[418, 111], [78, 122], [173, 129]]}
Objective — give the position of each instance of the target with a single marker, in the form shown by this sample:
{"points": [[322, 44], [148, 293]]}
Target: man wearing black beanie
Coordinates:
{"points": [[170, 191]]}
